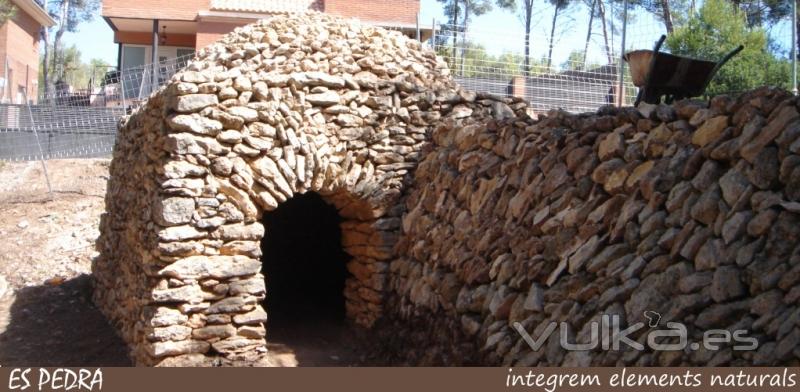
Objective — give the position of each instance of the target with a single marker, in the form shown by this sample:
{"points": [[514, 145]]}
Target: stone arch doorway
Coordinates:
{"points": [[304, 268]]}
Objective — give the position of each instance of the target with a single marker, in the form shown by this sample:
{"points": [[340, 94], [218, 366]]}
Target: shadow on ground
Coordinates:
{"points": [[57, 326]]}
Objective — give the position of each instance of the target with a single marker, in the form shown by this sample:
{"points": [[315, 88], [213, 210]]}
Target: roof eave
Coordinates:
{"points": [[36, 12]]}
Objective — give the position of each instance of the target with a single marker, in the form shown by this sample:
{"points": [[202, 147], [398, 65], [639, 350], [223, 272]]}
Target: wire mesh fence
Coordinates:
{"points": [[577, 65], [579, 83], [66, 123]]}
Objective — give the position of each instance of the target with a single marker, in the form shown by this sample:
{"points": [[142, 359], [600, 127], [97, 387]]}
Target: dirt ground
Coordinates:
{"points": [[46, 314]]}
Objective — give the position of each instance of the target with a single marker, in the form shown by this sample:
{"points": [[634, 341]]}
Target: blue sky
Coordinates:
{"points": [[499, 31]]}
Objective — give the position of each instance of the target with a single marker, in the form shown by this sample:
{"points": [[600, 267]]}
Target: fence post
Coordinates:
{"points": [[154, 57], [38, 144], [419, 36], [621, 86], [433, 34], [121, 79], [794, 47]]}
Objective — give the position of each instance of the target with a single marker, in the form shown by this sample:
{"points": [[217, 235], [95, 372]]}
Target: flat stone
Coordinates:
{"points": [[180, 233], [727, 284], [214, 331], [584, 253], [733, 184], [613, 145], [252, 286], [317, 79], [231, 305], [193, 77], [188, 143], [163, 349], [534, 301], [252, 331], [240, 232], [173, 211], [218, 267], [182, 169], [172, 332], [194, 123], [328, 98], [736, 226], [461, 111], [710, 131], [230, 136], [164, 316], [194, 102], [695, 282], [236, 344], [245, 113], [706, 208], [638, 173], [769, 132], [257, 316], [188, 293]]}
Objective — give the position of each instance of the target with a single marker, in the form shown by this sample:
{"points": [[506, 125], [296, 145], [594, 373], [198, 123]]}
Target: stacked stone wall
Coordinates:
{"points": [[463, 215], [689, 211]]}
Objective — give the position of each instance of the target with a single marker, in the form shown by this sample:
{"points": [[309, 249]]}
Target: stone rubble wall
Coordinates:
{"points": [[691, 211], [462, 214], [285, 106]]}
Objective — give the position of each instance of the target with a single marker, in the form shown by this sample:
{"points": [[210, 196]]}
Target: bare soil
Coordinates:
{"points": [[46, 314]]}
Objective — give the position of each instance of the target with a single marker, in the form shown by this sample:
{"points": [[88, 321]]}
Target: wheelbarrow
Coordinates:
{"points": [[674, 77]]}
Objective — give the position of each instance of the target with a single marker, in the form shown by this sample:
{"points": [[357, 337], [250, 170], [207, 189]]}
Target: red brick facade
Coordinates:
{"points": [[212, 25], [154, 9], [19, 48], [386, 11]]}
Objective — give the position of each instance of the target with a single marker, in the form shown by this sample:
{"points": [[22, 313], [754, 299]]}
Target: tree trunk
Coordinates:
{"points": [[464, 35], [58, 58], [667, 16], [45, 63], [589, 32], [552, 36], [45, 36], [528, 18], [454, 33], [602, 10]]}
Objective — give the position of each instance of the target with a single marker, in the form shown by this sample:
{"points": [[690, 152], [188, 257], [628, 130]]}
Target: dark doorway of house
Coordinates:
{"points": [[305, 269]]}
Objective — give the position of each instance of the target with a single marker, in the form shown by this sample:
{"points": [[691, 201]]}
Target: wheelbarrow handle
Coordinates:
{"points": [[725, 60], [649, 78]]}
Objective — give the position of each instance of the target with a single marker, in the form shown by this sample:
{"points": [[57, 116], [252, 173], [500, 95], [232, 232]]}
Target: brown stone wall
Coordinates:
{"points": [[284, 106], [464, 217], [691, 211]]}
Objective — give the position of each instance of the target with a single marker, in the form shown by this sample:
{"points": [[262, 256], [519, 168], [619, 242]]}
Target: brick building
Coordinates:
{"points": [[19, 51], [153, 29]]}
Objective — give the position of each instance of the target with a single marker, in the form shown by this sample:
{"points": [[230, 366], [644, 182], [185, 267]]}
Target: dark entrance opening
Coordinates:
{"points": [[304, 268]]}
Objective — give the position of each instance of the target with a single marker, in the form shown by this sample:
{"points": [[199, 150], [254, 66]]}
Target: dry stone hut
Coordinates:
{"points": [[292, 106], [455, 218]]}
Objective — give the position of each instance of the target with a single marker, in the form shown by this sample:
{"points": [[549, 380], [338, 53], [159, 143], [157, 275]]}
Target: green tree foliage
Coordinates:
{"points": [[524, 9], [74, 72], [716, 29], [479, 63], [7, 11], [577, 62], [69, 14]]}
